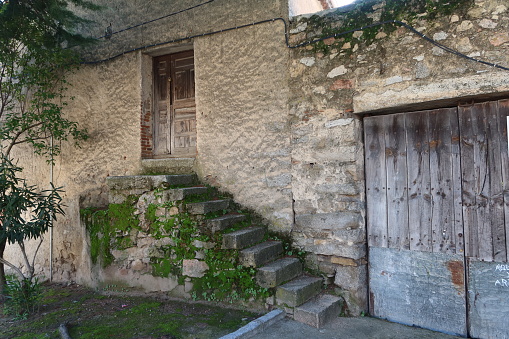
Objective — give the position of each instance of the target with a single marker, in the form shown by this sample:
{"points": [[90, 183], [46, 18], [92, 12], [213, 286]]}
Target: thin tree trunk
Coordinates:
{"points": [[2, 270]]}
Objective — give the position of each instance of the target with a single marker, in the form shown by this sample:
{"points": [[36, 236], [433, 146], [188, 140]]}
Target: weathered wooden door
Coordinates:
{"points": [[175, 108], [437, 199]]}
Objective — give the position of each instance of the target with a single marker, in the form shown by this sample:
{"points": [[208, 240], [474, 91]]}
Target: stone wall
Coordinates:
{"points": [[332, 81], [278, 128]]}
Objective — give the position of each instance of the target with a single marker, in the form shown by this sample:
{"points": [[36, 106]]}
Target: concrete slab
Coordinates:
{"points": [[347, 328]]}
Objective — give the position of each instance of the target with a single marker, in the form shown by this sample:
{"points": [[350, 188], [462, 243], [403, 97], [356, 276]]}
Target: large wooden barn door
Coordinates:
{"points": [[437, 205], [175, 108]]}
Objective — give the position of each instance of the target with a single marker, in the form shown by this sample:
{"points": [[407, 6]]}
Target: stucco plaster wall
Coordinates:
{"points": [[242, 95], [108, 107]]}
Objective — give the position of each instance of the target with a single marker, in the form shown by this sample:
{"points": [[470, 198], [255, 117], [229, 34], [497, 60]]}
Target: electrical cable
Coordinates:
{"points": [[400, 23], [153, 20]]}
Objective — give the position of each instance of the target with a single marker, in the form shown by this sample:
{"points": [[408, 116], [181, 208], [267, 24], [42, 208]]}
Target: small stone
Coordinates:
{"points": [[300, 28], [487, 23], [437, 51], [355, 48], [341, 84], [174, 210], [421, 71], [455, 18], [393, 80], [476, 12], [357, 34], [319, 90], [194, 268], [346, 45], [419, 57], [343, 261], [499, 39], [380, 35], [464, 45], [137, 265], [309, 61], [188, 285], [440, 36], [337, 72], [329, 41], [499, 10], [465, 26]]}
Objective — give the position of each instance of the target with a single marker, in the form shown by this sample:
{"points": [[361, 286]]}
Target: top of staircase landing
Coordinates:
{"points": [[169, 171]]}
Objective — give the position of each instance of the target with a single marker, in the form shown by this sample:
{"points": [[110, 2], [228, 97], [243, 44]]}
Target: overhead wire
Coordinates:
{"points": [[285, 23]]}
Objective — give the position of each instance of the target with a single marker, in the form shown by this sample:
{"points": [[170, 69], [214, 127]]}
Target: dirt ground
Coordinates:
{"points": [[119, 313]]}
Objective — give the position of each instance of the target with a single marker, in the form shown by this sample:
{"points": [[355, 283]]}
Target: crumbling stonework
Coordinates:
{"points": [[394, 72]]}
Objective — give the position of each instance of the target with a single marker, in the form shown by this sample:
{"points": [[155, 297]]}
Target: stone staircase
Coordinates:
{"points": [[299, 294]]}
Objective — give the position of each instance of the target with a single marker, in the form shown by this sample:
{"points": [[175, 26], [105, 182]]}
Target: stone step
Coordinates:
{"points": [[123, 186], [318, 311], [182, 193], [298, 291], [278, 272], [261, 254], [243, 238], [223, 222], [168, 165], [207, 206]]}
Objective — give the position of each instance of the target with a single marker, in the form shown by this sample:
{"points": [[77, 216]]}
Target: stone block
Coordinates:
{"points": [[278, 272], [243, 238], [261, 254], [332, 247], [194, 268], [181, 193], [318, 311], [351, 277], [331, 221], [224, 222], [298, 291], [170, 165], [207, 206]]}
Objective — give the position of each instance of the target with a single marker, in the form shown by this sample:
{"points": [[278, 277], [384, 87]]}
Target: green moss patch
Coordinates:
{"points": [[91, 315]]}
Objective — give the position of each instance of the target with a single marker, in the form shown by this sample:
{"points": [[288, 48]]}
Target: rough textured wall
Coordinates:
{"points": [[242, 119], [242, 112], [241, 92], [108, 107], [333, 80]]}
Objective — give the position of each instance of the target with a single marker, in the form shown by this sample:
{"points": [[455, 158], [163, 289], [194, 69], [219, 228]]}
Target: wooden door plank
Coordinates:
{"points": [[503, 113], [496, 190], [468, 179], [457, 216], [183, 129], [397, 201], [476, 181], [376, 180], [484, 233], [162, 115], [419, 198], [441, 175]]}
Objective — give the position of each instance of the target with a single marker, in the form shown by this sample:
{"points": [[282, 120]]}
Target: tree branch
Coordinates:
{"points": [[16, 269], [15, 138]]}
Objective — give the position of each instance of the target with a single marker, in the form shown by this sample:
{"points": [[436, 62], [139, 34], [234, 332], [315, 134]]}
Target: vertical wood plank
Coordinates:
{"points": [[419, 197], [374, 138], [503, 113], [484, 233], [475, 174], [468, 177], [397, 201], [496, 190], [441, 175], [457, 216]]}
